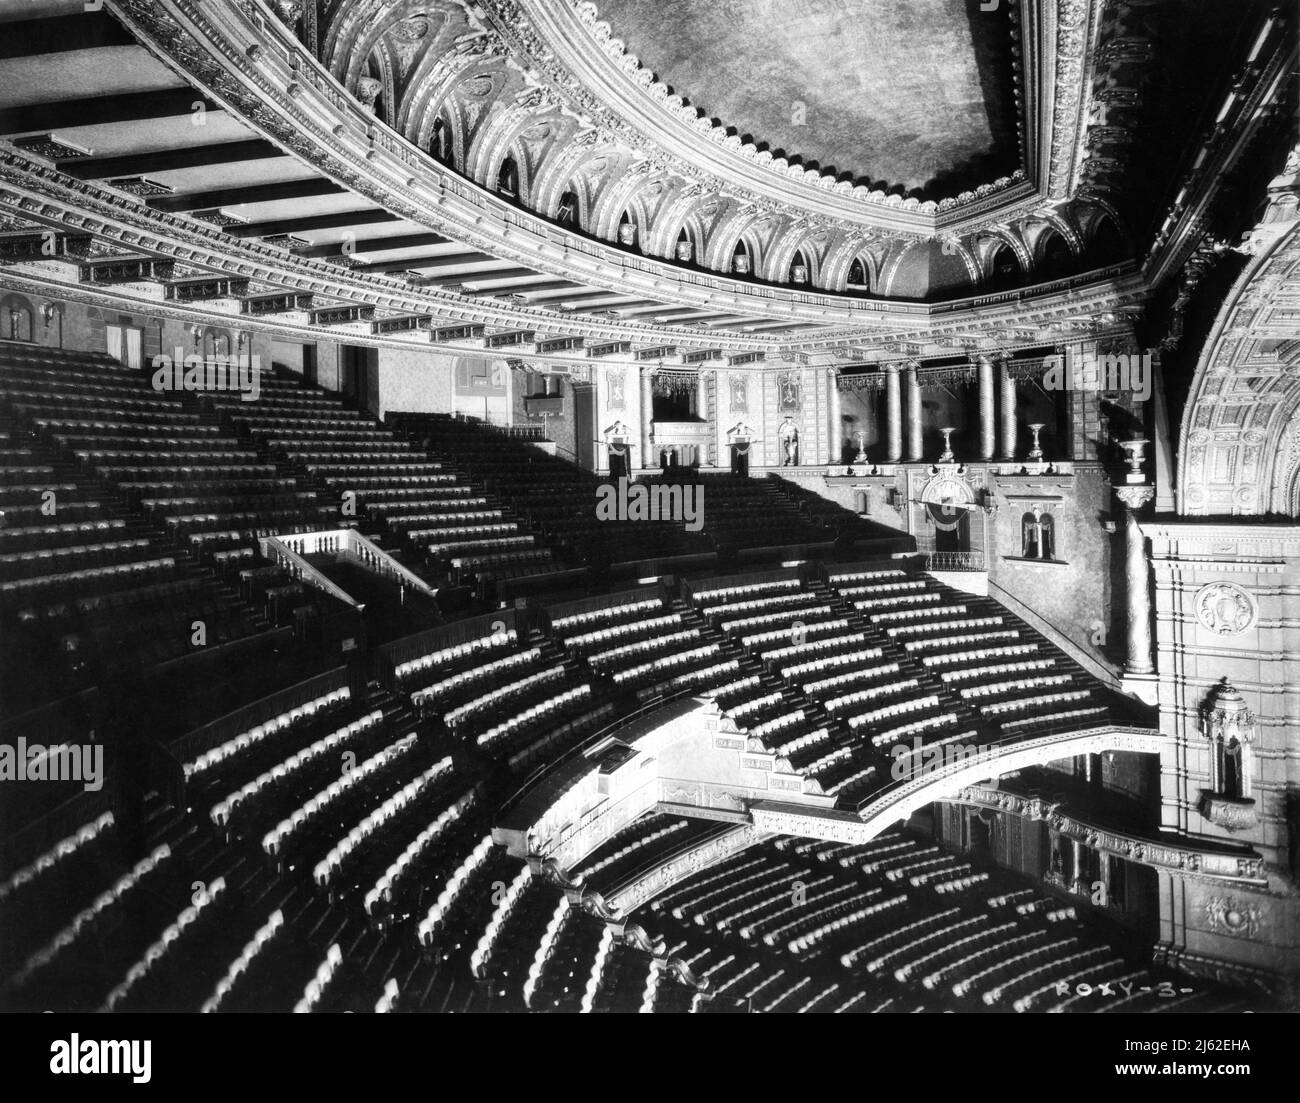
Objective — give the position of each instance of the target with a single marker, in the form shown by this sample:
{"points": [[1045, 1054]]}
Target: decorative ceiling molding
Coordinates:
{"points": [[638, 157], [630, 97], [286, 95]]}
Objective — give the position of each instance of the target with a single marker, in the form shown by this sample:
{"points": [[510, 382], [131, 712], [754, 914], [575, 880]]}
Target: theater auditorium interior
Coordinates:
{"points": [[972, 329]]}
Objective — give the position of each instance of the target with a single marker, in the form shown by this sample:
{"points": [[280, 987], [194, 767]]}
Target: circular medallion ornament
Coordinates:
{"points": [[1225, 608]]}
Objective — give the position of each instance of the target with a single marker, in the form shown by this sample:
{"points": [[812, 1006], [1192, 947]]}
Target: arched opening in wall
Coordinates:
{"points": [[1056, 259], [16, 319], [1107, 244], [627, 231], [857, 276], [1231, 774], [1004, 269], [1037, 535], [798, 273], [741, 261], [508, 180], [370, 88], [684, 250], [441, 147], [567, 214], [216, 344]]}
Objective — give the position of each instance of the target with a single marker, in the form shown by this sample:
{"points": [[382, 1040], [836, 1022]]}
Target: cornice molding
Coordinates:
{"points": [[1174, 854], [31, 190]]}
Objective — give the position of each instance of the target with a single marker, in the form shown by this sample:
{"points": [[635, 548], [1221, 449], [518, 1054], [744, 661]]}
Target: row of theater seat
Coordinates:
{"points": [[151, 487]]}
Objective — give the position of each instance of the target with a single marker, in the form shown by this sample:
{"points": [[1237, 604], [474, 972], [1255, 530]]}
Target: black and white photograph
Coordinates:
{"points": [[650, 506]]}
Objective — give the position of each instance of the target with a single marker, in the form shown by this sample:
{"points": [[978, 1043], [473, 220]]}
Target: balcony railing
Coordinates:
{"points": [[956, 561]]}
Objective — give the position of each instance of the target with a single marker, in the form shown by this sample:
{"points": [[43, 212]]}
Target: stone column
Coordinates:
{"points": [[1079, 879], [1008, 411], [837, 416], [1137, 579], [987, 425], [893, 415], [647, 417], [914, 448]]}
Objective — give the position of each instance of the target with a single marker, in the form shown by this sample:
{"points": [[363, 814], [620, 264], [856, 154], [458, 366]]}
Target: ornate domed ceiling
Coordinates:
{"points": [[897, 95], [733, 179]]}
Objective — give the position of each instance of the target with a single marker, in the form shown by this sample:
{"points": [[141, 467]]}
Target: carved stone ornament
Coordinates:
{"points": [[1226, 715], [1229, 813], [739, 397], [1227, 915], [616, 395], [1225, 608]]}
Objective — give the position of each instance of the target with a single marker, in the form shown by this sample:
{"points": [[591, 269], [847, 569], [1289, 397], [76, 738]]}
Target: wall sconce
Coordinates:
{"points": [[48, 313], [196, 331]]}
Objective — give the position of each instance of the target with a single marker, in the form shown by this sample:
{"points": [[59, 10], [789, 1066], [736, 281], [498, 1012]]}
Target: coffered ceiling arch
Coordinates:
{"points": [[687, 212], [355, 30], [505, 134], [789, 241], [1054, 221], [1013, 239], [624, 193], [684, 207], [561, 172], [1098, 217], [1239, 445], [446, 63], [840, 258]]}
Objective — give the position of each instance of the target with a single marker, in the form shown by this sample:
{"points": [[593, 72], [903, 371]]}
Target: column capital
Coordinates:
{"points": [[1135, 497]]}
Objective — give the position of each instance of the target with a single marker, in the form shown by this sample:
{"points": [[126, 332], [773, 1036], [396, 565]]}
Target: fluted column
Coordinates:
{"points": [[893, 415], [988, 438], [1008, 384], [914, 451], [837, 417], [647, 417], [1137, 580]]}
